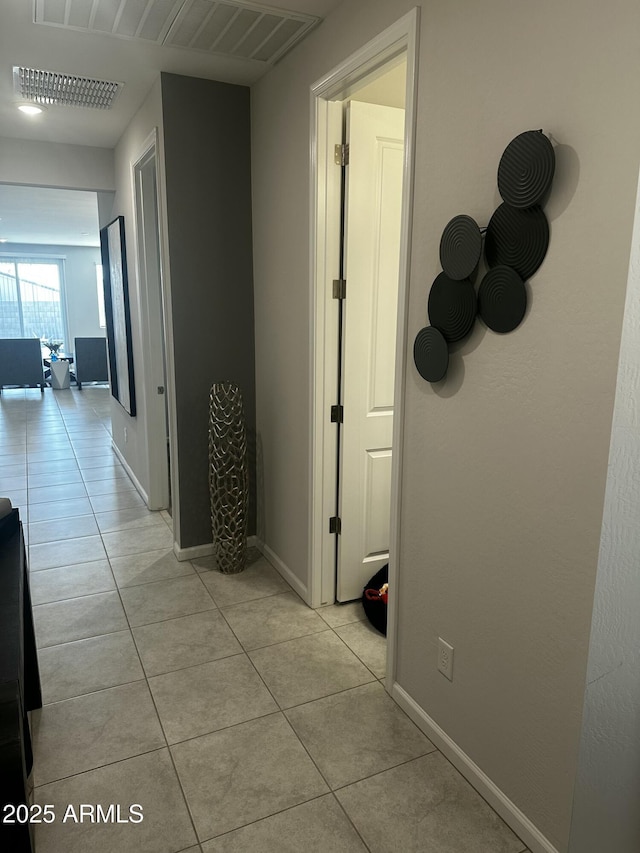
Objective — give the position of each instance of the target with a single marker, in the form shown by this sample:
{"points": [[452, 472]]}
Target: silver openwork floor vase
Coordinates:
{"points": [[228, 476]]}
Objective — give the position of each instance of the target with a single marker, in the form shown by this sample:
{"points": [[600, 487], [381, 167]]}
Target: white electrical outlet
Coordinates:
{"points": [[445, 658], [126, 436]]}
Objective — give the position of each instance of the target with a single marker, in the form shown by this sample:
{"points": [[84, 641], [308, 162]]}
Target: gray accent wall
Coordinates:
{"points": [[207, 165]]}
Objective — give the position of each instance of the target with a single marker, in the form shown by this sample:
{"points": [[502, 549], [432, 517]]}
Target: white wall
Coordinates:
{"points": [[81, 294], [50, 164], [608, 785], [129, 149], [506, 463]]}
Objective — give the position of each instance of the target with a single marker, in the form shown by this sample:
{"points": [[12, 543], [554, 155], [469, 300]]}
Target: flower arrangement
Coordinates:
{"points": [[54, 346]]}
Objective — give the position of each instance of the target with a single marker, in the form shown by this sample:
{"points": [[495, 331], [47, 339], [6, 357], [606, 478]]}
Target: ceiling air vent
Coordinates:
{"points": [[228, 27], [53, 88]]}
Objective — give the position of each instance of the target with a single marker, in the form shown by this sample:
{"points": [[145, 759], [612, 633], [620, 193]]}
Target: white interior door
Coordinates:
{"points": [[373, 199]]}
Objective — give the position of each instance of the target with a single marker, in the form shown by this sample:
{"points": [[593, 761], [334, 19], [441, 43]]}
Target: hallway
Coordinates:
{"points": [[240, 720]]}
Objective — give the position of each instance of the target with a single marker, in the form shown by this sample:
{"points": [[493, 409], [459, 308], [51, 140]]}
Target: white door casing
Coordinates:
{"points": [[149, 266], [373, 215]]}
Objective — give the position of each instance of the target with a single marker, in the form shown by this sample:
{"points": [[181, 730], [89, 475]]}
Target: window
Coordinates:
{"points": [[102, 317], [31, 298]]}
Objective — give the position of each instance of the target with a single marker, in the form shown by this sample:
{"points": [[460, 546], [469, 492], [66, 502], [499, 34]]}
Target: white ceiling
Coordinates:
{"points": [[49, 216], [134, 62], [60, 217]]}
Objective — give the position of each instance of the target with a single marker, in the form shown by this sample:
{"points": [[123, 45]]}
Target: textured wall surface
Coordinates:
{"points": [[606, 814], [51, 164], [506, 462]]}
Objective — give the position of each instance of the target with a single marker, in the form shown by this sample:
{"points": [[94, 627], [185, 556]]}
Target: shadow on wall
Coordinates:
{"points": [[261, 530], [565, 181], [251, 464]]}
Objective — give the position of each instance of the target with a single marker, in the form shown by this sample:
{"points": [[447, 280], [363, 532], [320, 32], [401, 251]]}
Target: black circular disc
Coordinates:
{"points": [[526, 169], [452, 307], [431, 354], [460, 247], [517, 239], [502, 299]]}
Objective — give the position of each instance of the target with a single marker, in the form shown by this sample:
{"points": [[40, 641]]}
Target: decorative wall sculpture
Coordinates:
{"points": [[502, 299], [228, 477], [515, 244], [461, 247], [452, 307], [517, 238], [431, 354], [526, 169]]}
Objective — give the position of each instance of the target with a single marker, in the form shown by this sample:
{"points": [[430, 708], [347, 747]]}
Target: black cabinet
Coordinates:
{"points": [[19, 681]]}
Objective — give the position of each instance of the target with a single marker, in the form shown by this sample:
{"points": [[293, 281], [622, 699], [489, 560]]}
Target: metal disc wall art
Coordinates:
{"points": [[431, 354], [515, 245], [517, 239], [460, 247], [526, 169], [502, 299], [452, 307]]}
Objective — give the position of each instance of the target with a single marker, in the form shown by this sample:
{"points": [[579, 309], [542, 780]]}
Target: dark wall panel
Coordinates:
{"points": [[208, 184]]}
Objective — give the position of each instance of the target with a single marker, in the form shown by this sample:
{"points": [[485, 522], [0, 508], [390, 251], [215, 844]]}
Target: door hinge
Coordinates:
{"points": [[339, 288], [337, 414], [335, 524], [341, 154]]}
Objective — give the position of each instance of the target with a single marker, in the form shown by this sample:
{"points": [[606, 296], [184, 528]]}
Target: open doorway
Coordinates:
{"points": [[371, 215], [360, 234], [50, 270]]}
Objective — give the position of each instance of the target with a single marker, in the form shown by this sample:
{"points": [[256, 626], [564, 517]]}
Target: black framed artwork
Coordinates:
{"points": [[118, 316]]}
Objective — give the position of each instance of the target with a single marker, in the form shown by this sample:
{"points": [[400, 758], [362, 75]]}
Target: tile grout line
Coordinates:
{"points": [[99, 766], [291, 728], [164, 734], [280, 712], [326, 781], [130, 633], [145, 678], [284, 811], [246, 653], [377, 677]]}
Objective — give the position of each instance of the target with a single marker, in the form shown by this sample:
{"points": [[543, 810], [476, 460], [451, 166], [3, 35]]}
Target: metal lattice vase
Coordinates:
{"points": [[228, 477]]}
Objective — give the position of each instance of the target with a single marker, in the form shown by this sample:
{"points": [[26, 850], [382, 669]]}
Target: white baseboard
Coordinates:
{"points": [[129, 471], [205, 550], [284, 570], [508, 811]]}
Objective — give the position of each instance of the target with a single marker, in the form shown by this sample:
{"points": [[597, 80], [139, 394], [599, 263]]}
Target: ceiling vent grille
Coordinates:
{"points": [[53, 88], [228, 27]]}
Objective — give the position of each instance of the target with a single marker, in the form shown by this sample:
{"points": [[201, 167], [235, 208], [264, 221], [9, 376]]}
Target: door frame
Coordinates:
{"points": [[155, 323], [401, 38]]}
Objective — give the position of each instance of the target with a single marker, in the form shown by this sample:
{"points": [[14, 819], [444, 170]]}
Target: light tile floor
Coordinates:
{"points": [[239, 719]]}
